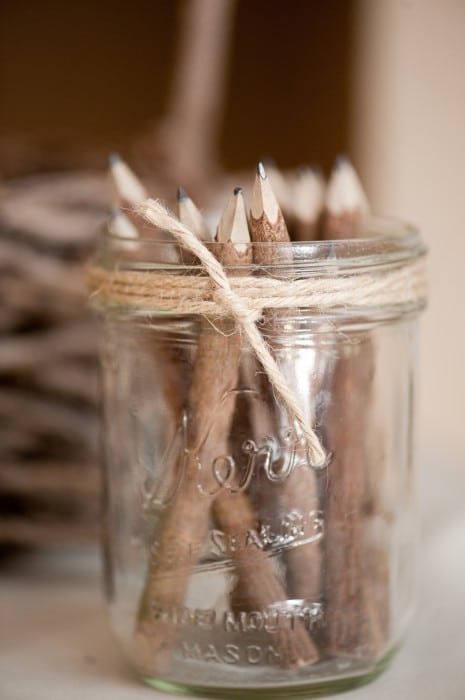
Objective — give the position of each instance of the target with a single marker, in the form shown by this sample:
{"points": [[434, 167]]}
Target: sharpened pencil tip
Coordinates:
{"points": [[261, 171], [182, 194], [341, 160], [305, 169], [114, 158], [344, 192], [189, 214], [233, 226]]}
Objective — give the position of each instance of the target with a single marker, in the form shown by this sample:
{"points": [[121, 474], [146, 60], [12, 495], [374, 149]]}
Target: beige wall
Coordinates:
{"points": [[409, 143]]}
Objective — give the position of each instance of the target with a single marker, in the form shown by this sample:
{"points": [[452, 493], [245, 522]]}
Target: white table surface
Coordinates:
{"points": [[55, 643]]}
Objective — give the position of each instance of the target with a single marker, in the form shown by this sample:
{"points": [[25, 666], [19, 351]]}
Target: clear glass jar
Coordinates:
{"points": [[232, 564]]}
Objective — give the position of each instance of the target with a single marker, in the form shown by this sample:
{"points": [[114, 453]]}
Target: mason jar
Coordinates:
{"points": [[234, 562]]}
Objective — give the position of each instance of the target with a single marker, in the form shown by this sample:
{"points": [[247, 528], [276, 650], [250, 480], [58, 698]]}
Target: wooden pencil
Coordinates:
{"points": [[352, 622], [191, 216], [298, 493], [307, 203], [267, 226], [306, 373], [127, 192], [282, 186], [257, 582], [267, 223], [121, 226], [127, 189], [346, 205]]}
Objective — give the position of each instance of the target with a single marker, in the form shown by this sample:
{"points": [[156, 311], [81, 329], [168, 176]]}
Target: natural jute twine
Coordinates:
{"points": [[245, 297]]}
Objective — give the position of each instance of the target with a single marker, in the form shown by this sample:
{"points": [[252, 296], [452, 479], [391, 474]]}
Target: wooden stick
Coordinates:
{"points": [[182, 527], [298, 492], [26, 352], [305, 371], [258, 588], [186, 139], [51, 477], [353, 626], [46, 417], [257, 581], [266, 226]]}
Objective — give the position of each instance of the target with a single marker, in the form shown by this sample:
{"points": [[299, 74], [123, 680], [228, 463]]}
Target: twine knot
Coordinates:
{"points": [[244, 299], [236, 307]]}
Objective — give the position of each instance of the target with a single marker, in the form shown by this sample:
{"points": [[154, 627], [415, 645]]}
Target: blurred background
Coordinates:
{"points": [[194, 92], [75, 86], [186, 90]]}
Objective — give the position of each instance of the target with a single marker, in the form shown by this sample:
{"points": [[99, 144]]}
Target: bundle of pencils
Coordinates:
{"points": [[339, 571]]}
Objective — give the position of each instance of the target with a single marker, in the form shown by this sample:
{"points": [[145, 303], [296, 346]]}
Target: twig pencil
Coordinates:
{"points": [[120, 225], [282, 186], [306, 371], [307, 203], [191, 216], [353, 627], [257, 582], [267, 223], [298, 492], [346, 205], [126, 187], [127, 192], [183, 526], [266, 226]]}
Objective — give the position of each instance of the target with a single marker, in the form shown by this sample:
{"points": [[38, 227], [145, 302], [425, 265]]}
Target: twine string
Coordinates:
{"points": [[244, 298], [195, 294], [155, 213]]}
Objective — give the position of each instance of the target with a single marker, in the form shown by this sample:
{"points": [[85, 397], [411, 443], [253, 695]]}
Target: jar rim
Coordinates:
{"points": [[385, 241], [382, 271]]}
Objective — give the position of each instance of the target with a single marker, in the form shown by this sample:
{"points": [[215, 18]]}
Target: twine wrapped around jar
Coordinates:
{"points": [[245, 298]]}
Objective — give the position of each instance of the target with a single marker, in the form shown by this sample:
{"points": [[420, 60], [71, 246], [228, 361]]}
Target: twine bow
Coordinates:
{"points": [[244, 298], [154, 212]]}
